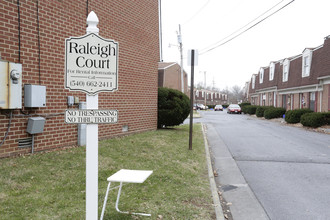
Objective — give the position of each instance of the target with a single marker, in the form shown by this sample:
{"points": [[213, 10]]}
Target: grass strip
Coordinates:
{"points": [[52, 185]]}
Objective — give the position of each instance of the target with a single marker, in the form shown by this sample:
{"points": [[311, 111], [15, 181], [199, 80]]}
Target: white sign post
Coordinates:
{"points": [[92, 142], [91, 66]]}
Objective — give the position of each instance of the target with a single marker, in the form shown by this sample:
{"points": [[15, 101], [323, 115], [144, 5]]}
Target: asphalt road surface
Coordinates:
{"points": [[269, 170]]}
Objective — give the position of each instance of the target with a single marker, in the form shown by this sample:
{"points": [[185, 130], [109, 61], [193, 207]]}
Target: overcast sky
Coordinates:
{"points": [[204, 23]]}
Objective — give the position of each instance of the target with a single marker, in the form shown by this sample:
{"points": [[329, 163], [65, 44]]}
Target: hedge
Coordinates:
{"points": [[261, 109], [315, 119], [293, 116], [326, 118], [249, 109], [173, 107], [244, 104], [274, 113]]}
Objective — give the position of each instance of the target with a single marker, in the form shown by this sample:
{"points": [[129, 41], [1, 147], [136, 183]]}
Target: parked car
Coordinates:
{"points": [[218, 108], [200, 107], [234, 108]]}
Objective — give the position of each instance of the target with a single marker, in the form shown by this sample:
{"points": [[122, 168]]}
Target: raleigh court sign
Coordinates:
{"points": [[91, 64]]}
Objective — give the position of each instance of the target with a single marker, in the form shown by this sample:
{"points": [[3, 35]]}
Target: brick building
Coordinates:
{"points": [[169, 75], [209, 97], [301, 81], [33, 33]]}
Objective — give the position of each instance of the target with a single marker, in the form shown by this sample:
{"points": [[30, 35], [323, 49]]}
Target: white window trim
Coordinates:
{"points": [[253, 81], [271, 71], [261, 75], [285, 77], [307, 53]]}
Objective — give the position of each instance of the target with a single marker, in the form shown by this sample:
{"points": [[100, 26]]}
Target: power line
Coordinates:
{"points": [[244, 25], [197, 12], [214, 47]]}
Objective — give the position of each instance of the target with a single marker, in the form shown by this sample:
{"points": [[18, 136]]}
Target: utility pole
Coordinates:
{"points": [[192, 63], [181, 57]]}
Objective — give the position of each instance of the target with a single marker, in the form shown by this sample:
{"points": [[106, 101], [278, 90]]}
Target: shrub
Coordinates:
{"points": [[225, 106], [274, 113], [244, 104], [210, 106], [326, 118], [173, 107], [293, 116], [261, 109], [314, 119], [249, 109]]}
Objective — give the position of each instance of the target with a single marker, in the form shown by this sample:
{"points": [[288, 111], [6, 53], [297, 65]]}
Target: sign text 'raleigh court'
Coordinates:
{"points": [[91, 64]]}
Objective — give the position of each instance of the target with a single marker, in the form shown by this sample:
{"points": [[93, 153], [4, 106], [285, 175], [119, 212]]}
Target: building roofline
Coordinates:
{"points": [[168, 66]]}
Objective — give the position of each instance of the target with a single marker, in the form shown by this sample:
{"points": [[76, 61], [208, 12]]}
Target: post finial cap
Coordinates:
{"points": [[92, 21]]}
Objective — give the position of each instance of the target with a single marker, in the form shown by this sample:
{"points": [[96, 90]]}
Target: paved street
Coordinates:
{"points": [[269, 170]]}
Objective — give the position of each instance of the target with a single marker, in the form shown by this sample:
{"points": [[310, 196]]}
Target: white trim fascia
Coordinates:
{"points": [[254, 95], [324, 80], [316, 48], [295, 57], [270, 89], [323, 77], [301, 89]]}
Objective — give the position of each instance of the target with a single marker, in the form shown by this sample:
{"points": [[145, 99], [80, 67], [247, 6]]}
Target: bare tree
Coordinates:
{"points": [[235, 94]]}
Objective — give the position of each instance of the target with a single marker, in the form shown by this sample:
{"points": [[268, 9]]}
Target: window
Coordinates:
{"points": [[286, 66], [253, 81], [312, 101], [261, 75], [197, 93], [270, 99], [271, 71], [306, 62]]}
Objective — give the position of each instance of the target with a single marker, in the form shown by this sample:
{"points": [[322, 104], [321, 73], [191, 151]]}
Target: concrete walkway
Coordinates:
{"points": [[233, 185], [215, 195]]}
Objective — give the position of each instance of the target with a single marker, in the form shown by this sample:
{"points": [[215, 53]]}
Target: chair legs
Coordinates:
{"points": [[105, 201], [117, 203], [125, 212]]}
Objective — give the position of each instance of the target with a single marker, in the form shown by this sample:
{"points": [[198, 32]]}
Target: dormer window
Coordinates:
{"points": [[286, 66], [271, 71], [306, 62], [253, 81], [261, 75]]}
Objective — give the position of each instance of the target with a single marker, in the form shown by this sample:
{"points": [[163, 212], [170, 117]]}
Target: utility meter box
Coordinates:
{"points": [[35, 125], [34, 96], [10, 85]]}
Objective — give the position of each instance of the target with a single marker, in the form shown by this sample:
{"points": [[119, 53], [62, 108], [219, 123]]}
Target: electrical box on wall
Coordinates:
{"points": [[34, 96], [10, 85], [35, 125]]}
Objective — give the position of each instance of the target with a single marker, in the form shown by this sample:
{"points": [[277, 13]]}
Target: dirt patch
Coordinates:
{"points": [[323, 129]]}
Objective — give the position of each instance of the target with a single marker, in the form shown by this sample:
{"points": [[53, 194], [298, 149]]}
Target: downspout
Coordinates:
{"points": [[160, 31]]}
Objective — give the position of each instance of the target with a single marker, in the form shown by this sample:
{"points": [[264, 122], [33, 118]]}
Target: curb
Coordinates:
{"points": [[215, 196]]}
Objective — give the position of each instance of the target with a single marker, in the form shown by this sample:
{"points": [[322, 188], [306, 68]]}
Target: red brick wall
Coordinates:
{"points": [[134, 24]]}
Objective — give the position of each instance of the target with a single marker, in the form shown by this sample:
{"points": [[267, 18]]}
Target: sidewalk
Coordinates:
{"points": [[215, 195]]}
